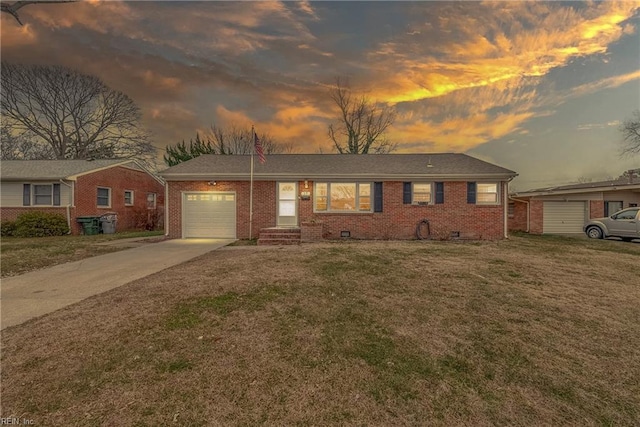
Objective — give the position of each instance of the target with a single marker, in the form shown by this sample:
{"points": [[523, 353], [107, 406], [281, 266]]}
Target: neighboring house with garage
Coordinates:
{"points": [[75, 188], [314, 196], [565, 209]]}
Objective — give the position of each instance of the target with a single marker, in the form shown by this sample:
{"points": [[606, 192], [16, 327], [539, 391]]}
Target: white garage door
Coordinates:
{"points": [[211, 215], [563, 217]]}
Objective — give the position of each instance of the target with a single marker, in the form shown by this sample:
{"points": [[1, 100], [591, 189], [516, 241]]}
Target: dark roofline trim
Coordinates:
{"points": [[316, 177], [604, 188]]}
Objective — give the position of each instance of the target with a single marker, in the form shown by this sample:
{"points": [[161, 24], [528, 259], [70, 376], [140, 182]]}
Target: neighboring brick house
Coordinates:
{"points": [[565, 209], [382, 196], [76, 188]]}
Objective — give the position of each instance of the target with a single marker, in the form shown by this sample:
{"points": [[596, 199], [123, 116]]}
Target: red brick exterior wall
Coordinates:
{"points": [[535, 216], [518, 221], [311, 232], [596, 208], [118, 179], [397, 221], [264, 204]]}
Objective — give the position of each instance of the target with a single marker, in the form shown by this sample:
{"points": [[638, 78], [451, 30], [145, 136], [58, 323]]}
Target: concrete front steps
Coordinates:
{"points": [[279, 236]]}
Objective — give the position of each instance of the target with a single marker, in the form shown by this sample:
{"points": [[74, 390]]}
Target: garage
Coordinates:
{"points": [[563, 217], [209, 215]]}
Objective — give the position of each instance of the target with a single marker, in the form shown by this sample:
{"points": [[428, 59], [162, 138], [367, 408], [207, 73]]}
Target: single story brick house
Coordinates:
{"points": [[381, 196], [76, 188], [565, 209]]}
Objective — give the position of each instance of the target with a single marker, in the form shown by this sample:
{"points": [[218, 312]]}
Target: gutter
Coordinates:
{"points": [[528, 209], [324, 177]]}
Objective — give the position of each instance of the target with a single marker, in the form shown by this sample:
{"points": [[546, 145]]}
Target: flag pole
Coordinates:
{"points": [[253, 145]]}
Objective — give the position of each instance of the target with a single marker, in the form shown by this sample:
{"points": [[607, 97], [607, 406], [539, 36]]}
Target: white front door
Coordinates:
{"points": [[287, 208]]}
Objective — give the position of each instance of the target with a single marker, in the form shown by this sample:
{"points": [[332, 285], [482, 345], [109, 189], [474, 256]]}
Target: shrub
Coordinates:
{"points": [[147, 219], [7, 228], [40, 224]]}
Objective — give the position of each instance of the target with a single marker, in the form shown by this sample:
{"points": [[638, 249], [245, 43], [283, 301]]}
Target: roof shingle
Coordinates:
{"points": [[52, 169], [314, 166]]}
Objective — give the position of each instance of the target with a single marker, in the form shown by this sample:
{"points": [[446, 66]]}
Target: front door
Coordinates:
{"points": [[287, 208]]}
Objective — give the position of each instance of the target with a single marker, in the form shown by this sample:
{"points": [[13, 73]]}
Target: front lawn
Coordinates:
{"points": [[530, 331], [21, 255]]}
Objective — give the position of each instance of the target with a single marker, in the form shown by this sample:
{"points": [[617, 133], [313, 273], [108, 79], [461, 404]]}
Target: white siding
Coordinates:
{"points": [[11, 193], [563, 217], [209, 215]]}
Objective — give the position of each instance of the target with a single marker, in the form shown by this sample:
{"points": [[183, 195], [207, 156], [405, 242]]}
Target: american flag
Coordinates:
{"points": [[259, 150]]}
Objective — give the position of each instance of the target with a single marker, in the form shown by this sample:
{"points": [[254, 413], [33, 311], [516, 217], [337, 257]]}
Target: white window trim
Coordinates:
{"points": [[33, 195], [497, 193], [132, 198], [413, 193], [357, 210], [109, 192]]}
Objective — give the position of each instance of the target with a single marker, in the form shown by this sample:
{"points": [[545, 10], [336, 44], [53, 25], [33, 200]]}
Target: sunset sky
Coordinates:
{"points": [[540, 88]]}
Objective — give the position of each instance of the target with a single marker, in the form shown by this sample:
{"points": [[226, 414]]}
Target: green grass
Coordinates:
{"points": [[21, 255]]}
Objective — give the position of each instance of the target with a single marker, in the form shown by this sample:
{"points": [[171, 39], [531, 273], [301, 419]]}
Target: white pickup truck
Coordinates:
{"points": [[624, 224]]}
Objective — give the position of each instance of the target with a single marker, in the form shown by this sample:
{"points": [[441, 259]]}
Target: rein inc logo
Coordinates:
{"points": [[11, 421]]}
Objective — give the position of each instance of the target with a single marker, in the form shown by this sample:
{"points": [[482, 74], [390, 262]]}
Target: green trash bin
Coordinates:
{"points": [[90, 224]]}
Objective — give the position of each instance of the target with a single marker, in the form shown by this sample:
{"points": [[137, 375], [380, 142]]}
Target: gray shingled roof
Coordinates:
{"points": [[616, 184], [51, 169], [345, 166]]}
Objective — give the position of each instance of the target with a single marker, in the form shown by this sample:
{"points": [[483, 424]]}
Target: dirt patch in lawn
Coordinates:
{"points": [[520, 332]]}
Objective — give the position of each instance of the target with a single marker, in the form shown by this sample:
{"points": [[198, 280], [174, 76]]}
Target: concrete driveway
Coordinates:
{"points": [[40, 292]]}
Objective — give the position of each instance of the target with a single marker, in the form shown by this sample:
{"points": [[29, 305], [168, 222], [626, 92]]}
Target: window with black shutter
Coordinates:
{"points": [[26, 195], [439, 193], [56, 194], [406, 193], [377, 197], [471, 192]]}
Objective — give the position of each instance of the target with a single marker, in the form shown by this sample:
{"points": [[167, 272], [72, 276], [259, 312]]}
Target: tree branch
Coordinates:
{"points": [[12, 8]]}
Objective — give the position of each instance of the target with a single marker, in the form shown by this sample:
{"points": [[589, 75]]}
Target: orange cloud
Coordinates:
{"points": [[553, 41], [457, 133], [160, 82]]}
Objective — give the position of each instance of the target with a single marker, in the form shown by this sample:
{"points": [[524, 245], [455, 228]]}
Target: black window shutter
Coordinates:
{"points": [[377, 197], [439, 192], [406, 193], [56, 194], [26, 195], [471, 192]]}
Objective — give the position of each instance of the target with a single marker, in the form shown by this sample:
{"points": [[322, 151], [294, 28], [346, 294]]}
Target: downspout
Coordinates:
{"points": [[68, 204], [528, 209], [166, 208], [506, 208]]}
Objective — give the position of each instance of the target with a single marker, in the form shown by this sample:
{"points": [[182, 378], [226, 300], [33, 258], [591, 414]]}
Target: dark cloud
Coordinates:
{"points": [[461, 74]]}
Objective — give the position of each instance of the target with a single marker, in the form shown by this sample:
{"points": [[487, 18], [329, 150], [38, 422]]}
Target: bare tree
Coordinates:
{"points": [[239, 140], [232, 140], [20, 147], [631, 135], [72, 115], [12, 8], [362, 124]]}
